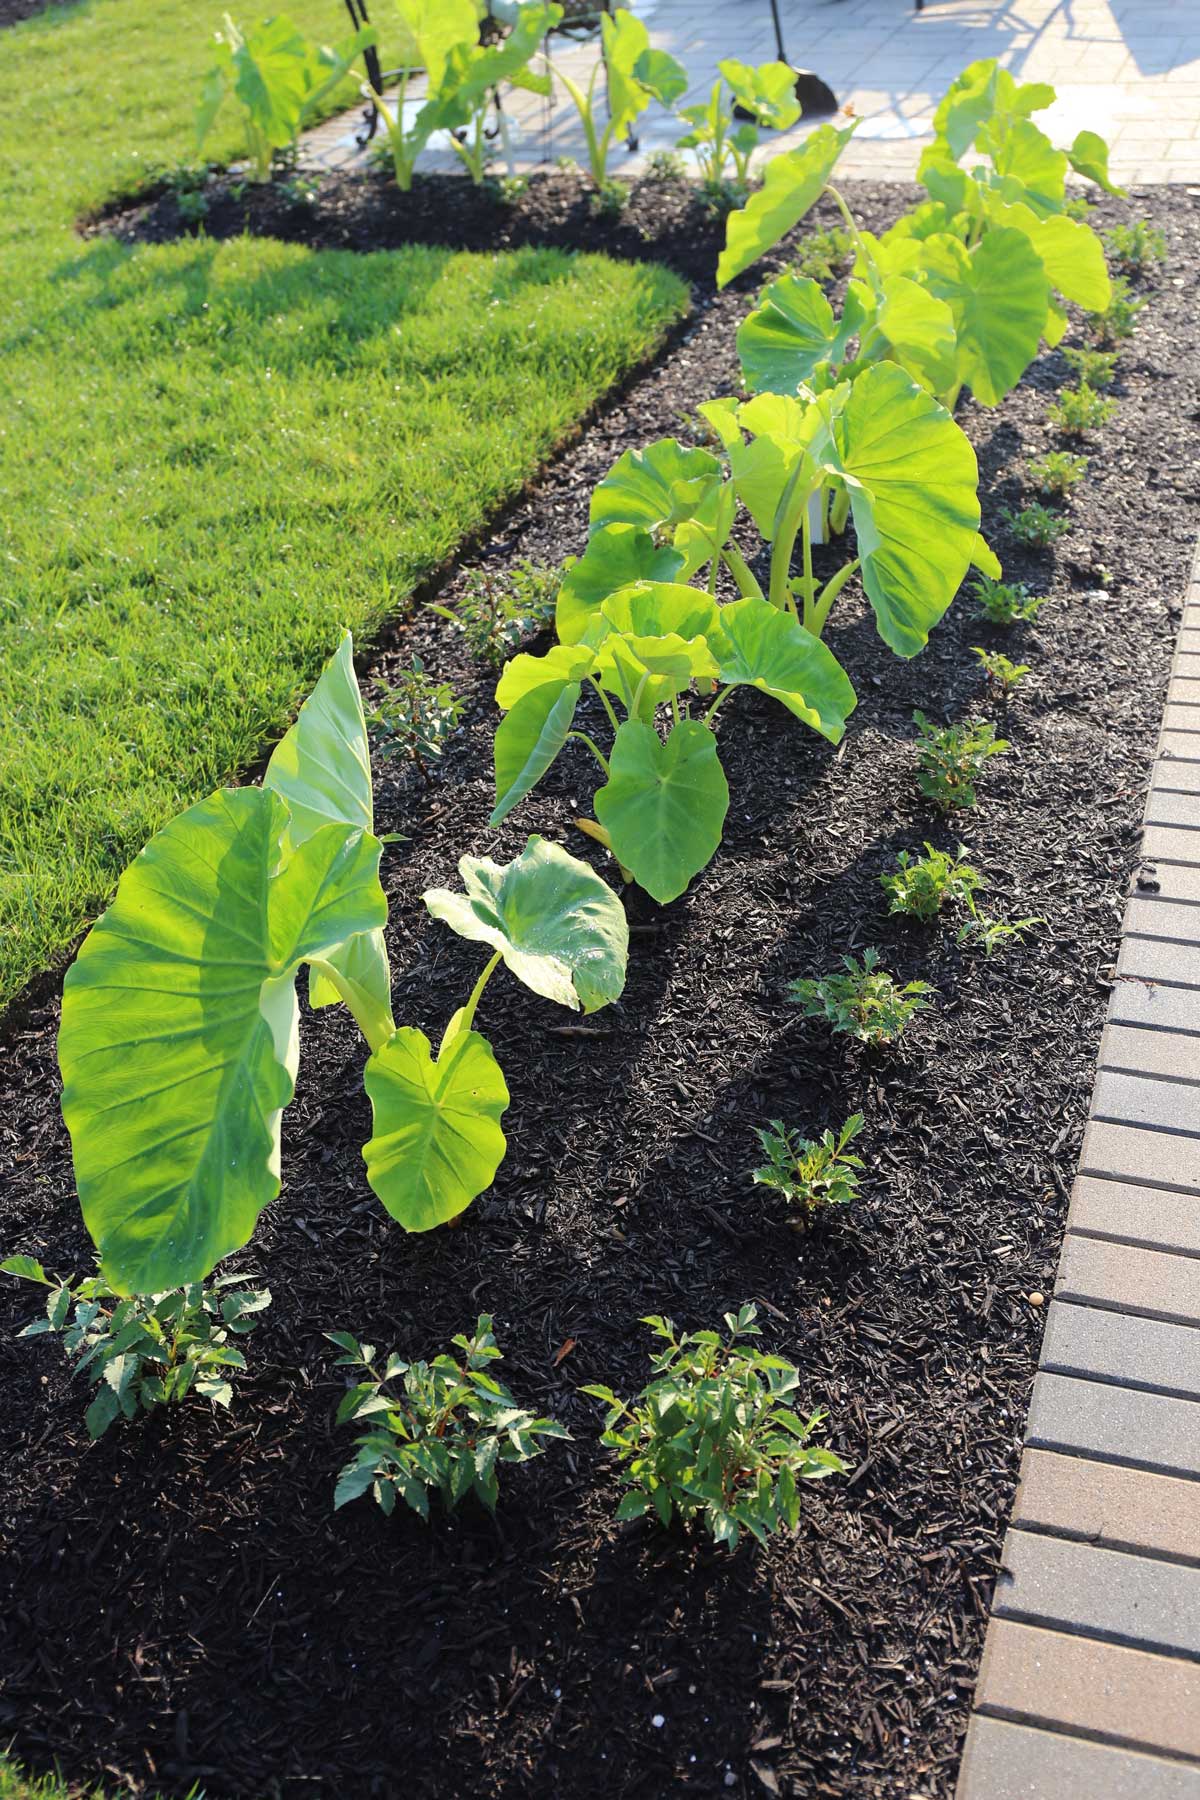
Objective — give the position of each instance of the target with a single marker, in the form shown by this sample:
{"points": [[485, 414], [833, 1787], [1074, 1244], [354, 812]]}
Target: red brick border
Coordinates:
{"points": [[1089, 1687]]}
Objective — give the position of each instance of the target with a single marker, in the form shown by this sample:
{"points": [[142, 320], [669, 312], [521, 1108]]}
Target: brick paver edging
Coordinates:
{"points": [[1089, 1687]]}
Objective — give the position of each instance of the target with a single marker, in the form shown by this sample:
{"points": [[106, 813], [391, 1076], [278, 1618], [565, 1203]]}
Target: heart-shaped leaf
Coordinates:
{"points": [[436, 1142], [663, 805], [655, 487], [178, 1041], [918, 331], [528, 740], [1088, 156], [322, 768], [770, 651], [768, 91], [792, 331], [998, 294], [1071, 254], [615, 556], [662, 608], [912, 479], [792, 182], [559, 928]]}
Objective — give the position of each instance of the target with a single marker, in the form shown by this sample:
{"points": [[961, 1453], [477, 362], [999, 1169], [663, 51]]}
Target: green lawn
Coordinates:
{"points": [[213, 458]]}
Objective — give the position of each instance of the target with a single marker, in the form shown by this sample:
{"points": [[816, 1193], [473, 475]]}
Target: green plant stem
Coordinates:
{"points": [[592, 746], [747, 586], [466, 1017], [711, 714], [806, 541], [829, 594], [848, 216], [792, 517], [605, 702]]}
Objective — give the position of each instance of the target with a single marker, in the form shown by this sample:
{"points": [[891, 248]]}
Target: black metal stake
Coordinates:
{"points": [[814, 95]]}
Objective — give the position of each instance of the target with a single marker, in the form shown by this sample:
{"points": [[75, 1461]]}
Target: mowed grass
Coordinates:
{"points": [[214, 458]]}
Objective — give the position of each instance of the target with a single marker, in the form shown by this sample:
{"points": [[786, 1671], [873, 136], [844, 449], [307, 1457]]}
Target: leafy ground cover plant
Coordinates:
{"points": [[768, 92], [443, 41], [810, 1173], [950, 759], [635, 74], [279, 77], [1035, 525], [1137, 247], [1116, 322], [179, 1039], [1003, 674], [824, 254], [712, 1438], [1079, 410], [663, 801], [149, 1351], [1006, 602], [444, 1427], [921, 886], [865, 1002], [497, 611], [989, 933], [415, 717], [1057, 473], [1092, 368]]}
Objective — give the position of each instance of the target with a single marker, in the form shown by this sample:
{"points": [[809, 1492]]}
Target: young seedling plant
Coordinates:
{"points": [[279, 77], [712, 1440], [1003, 674], [1092, 368], [1006, 602], [864, 1003], [496, 612], [1137, 247], [950, 759], [1035, 525], [444, 1427], [415, 718], [149, 1351], [180, 1026], [720, 144], [811, 1173], [1079, 410], [635, 74], [1057, 473], [921, 886]]}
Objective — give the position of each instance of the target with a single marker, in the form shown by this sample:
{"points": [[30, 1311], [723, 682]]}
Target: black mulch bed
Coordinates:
{"points": [[352, 210], [180, 1603], [13, 11]]}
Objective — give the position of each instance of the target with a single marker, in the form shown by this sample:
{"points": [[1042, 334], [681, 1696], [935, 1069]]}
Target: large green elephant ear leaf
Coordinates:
{"points": [[770, 651], [918, 331], [178, 1041], [768, 91], [322, 768], [655, 487], [1071, 254], [436, 1142], [663, 608], [1088, 156], [625, 40], [272, 78], [559, 928], [913, 481], [1029, 166], [792, 332], [529, 739], [663, 805], [999, 297], [615, 556], [792, 182]]}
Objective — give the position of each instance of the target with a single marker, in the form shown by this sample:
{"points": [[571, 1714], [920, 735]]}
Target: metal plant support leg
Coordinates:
{"points": [[358, 18], [814, 95]]}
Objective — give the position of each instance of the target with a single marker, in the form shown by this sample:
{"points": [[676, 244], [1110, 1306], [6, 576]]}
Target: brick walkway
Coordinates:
{"points": [[1129, 69], [1090, 1683]]}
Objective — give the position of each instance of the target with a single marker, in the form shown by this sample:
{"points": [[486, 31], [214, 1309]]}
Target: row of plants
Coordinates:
{"points": [[180, 1029]]}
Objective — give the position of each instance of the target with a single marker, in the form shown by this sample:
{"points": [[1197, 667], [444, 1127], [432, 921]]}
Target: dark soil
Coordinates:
{"points": [[179, 1604], [13, 11], [664, 219]]}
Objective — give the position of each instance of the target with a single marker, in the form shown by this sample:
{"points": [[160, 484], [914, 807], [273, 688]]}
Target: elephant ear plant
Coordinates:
{"points": [[635, 74], [179, 1039]]}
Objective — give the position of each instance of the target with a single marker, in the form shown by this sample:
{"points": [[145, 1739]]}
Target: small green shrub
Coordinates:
{"points": [[445, 1425], [666, 165], [153, 1350], [415, 718], [496, 613], [712, 1437], [810, 1173], [1119, 321], [1093, 368], [825, 254], [1137, 247], [950, 759], [1006, 602], [1079, 208], [922, 885], [609, 200], [1035, 525], [1057, 472], [1003, 674], [865, 1003], [1080, 410]]}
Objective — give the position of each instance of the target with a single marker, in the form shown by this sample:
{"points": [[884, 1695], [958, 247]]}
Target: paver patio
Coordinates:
{"points": [[1129, 69]]}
